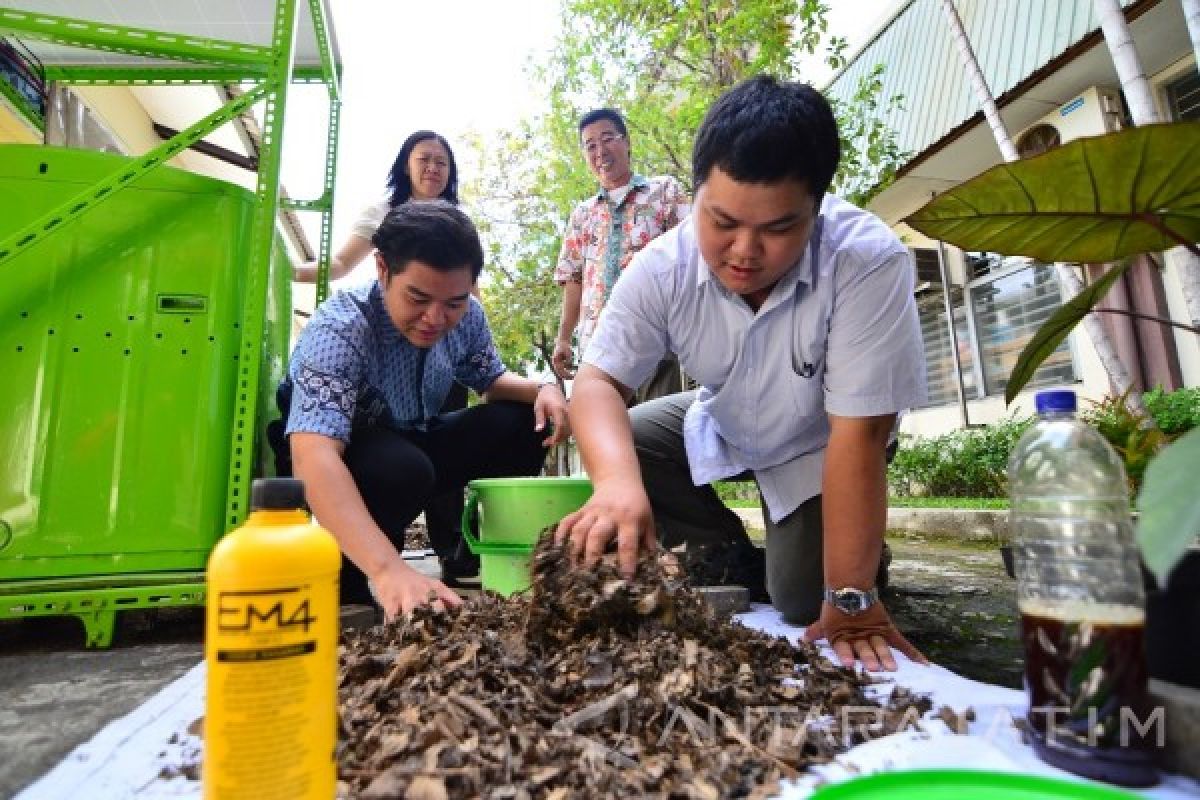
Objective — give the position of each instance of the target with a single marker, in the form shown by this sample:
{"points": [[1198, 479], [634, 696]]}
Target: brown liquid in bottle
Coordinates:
{"points": [[1088, 707]]}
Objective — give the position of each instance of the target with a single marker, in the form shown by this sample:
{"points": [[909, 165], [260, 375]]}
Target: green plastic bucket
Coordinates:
{"points": [[503, 517]]}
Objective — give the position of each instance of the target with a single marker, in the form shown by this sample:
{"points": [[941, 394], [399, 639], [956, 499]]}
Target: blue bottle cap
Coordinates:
{"points": [[1052, 400]]}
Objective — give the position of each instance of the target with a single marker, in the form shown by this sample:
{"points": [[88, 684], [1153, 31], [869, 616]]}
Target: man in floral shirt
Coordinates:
{"points": [[365, 383], [604, 232]]}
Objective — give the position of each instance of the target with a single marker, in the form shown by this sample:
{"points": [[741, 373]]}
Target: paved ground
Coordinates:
{"points": [[955, 603], [55, 695], [952, 598]]}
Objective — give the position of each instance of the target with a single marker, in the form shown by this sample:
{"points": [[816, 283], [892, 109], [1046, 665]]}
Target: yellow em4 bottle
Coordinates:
{"points": [[271, 634]]}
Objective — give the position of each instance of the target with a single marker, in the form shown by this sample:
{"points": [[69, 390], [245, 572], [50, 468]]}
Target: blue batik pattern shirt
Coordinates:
{"points": [[352, 368]]}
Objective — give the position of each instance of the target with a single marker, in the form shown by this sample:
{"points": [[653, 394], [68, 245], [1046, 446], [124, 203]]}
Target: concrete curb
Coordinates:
{"points": [[987, 525]]}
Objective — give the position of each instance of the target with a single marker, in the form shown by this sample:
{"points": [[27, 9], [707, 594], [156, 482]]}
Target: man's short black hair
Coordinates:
{"points": [[610, 114], [767, 131], [435, 233]]}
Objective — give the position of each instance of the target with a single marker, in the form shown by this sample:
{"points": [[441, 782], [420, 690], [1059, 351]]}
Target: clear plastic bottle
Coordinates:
{"points": [[1079, 593]]}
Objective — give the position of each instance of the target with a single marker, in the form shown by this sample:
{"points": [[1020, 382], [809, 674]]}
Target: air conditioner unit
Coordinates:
{"points": [[1094, 111]]}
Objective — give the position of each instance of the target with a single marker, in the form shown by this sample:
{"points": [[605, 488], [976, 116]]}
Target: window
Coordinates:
{"points": [[929, 266], [1183, 95], [21, 70], [1008, 309], [981, 264], [939, 359]]}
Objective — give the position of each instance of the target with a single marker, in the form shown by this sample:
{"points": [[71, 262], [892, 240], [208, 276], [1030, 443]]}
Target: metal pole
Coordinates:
{"points": [[262, 252], [949, 306]]}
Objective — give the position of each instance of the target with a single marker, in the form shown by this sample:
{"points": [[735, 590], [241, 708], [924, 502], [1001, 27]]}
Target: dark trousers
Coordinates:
{"points": [[686, 513], [667, 379], [443, 513], [399, 473]]}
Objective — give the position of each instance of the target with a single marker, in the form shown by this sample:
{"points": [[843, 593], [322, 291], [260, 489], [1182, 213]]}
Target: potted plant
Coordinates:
{"points": [[1105, 199]]}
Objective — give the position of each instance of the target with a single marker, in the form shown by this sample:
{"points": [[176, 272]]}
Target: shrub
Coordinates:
{"points": [[974, 462], [965, 463], [733, 491], [1174, 412], [917, 467]]}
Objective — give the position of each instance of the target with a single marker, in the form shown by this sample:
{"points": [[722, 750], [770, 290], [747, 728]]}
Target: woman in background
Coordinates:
{"points": [[425, 155]]}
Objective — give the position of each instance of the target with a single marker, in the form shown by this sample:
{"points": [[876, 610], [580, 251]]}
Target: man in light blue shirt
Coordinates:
{"points": [[794, 312]]}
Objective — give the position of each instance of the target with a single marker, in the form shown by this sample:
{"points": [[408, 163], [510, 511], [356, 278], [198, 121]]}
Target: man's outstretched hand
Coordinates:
{"points": [[868, 637]]}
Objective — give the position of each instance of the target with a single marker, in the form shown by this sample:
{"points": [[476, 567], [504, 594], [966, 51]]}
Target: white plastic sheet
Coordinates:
{"points": [[138, 756]]}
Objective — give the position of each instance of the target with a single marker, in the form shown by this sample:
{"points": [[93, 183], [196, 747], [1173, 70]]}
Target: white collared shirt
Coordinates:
{"points": [[838, 334]]}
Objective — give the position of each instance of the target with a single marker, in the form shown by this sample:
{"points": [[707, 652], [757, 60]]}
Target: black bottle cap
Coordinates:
{"points": [[276, 494]]}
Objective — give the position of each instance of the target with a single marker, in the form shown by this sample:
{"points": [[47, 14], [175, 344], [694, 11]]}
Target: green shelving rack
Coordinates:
{"points": [[144, 319]]}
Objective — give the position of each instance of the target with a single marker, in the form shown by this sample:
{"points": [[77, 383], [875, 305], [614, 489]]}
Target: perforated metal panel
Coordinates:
{"points": [[120, 347]]}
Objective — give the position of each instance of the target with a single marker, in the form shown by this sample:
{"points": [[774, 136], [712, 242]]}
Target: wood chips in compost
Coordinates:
{"points": [[592, 686]]}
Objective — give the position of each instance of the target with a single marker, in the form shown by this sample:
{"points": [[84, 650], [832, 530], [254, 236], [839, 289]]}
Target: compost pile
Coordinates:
{"points": [[590, 685]]}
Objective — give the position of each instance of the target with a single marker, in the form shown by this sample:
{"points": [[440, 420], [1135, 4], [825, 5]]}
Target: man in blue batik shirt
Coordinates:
{"points": [[367, 378]]}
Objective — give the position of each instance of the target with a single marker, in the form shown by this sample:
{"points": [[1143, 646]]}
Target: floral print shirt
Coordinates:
{"points": [[351, 368], [602, 237]]}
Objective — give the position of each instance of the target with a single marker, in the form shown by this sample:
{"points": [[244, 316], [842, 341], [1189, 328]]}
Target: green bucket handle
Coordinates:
{"points": [[470, 524]]}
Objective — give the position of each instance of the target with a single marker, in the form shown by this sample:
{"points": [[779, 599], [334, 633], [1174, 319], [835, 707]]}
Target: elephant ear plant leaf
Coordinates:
{"points": [[1090, 201], [1094, 200]]}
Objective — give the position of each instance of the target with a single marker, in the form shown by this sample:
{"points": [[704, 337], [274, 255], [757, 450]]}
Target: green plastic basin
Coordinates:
{"points": [[962, 784]]}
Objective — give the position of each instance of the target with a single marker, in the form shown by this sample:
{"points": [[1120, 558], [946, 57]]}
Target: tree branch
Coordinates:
{"points": [[683, 62]]}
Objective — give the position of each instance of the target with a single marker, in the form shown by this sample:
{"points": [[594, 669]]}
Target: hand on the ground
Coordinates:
{"points": [[562, 360], [618, 511], [551, 405], [400, 589], [868, 637]]}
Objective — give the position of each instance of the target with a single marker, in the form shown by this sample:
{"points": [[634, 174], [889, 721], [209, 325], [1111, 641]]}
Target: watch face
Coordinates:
{"points": [[851, 601]]}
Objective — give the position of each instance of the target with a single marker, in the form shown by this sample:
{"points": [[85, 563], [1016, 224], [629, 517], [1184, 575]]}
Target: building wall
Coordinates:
{"points": [[14, 128], [122, 109], [1085, 115], [1188, 344], [1012, 40]]}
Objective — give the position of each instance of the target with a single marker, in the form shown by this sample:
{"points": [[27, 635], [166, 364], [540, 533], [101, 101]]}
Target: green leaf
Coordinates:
{"points": [[1169, 506], [1092, 200], [1054, 330]]}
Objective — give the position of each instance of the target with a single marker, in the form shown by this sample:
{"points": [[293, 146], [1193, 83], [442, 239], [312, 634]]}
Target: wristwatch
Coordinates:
{"points": [[849, 600]]}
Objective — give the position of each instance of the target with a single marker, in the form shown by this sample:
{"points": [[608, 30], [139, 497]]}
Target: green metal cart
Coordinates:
{"points": [[144, 319]]}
